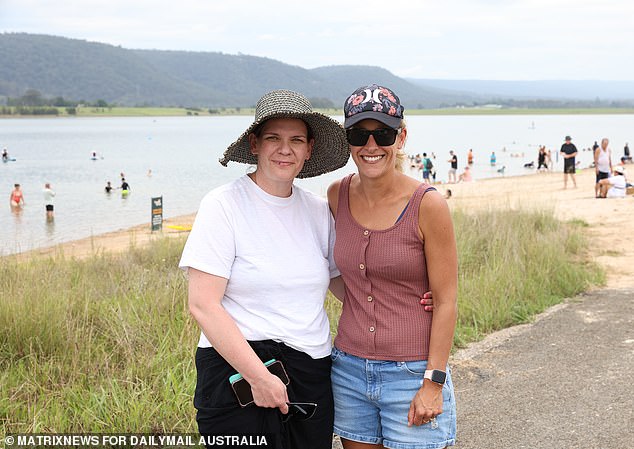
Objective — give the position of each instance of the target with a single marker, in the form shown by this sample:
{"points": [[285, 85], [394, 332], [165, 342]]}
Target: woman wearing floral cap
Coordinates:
{"points": [[395, 238], [259, 262]]}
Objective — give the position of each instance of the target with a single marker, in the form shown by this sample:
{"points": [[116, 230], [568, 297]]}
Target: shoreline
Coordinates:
{"points": [[110, 242], [248, 112], [605, 221]]}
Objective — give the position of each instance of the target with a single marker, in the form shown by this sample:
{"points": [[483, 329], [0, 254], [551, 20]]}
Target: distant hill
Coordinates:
{"points": [[81, 70], [545, 89]]}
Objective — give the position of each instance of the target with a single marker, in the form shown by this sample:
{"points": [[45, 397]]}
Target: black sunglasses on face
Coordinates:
{"points": [[300, 411], [382, 136]]}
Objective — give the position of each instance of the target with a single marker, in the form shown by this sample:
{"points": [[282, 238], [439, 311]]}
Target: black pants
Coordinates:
{"points": [[220, 414]]}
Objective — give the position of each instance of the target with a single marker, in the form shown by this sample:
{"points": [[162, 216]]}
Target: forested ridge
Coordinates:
{"points": [[81, 70]]}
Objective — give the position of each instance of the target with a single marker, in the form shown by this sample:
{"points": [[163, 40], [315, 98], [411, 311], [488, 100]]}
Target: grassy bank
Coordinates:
{"points": [[91, 111], [106, 344]]}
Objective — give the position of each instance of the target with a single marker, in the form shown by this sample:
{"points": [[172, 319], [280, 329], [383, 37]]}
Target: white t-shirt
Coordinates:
{"points": [[48, 196], [277, 256], [617, 189]]}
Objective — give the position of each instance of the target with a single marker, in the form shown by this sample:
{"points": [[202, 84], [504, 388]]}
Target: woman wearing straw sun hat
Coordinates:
{"points": [[259, 261], [390, 378]]}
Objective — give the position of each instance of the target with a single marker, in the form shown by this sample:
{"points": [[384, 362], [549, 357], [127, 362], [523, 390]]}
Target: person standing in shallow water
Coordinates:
{"points": [[125, 188], [48, 194], [391, 381], [569, 153]]}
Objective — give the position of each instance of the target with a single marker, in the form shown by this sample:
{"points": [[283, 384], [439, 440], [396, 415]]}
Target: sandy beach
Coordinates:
{"points": [[610, 221]]}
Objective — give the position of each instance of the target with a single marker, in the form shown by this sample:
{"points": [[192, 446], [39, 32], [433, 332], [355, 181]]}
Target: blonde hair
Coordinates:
{"points": [[401, 157]]}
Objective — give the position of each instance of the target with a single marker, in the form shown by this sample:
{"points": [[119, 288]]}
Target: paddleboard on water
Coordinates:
{"points": [[180, 227]]}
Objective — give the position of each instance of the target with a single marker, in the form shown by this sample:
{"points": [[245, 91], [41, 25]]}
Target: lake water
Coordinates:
{"points": [[183, 152]]}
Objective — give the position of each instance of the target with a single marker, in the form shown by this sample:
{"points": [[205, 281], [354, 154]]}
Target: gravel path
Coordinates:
{"points": [[565, 381]]}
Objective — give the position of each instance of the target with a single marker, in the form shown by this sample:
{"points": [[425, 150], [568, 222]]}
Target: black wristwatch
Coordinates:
{"points": [[436, 376]]}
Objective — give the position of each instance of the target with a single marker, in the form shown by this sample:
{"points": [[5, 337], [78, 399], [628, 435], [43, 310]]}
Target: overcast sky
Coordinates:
{"points": [[461, 39]]}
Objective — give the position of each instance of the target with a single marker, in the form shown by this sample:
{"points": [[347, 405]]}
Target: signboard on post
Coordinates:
{"points": [[157, 213]]}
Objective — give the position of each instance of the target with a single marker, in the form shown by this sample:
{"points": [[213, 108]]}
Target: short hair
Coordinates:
{"points": [[258, 129]]}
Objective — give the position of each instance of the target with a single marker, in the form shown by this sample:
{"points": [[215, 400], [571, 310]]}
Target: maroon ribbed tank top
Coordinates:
{"points": [[385, 275]]}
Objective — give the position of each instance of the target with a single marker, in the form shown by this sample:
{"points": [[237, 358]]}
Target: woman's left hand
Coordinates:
{"points": [[426, 405]]}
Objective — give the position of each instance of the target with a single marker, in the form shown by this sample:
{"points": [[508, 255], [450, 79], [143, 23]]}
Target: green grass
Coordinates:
{"points": [[92, 111], [514, 265], [156, 112], [106, 343]]}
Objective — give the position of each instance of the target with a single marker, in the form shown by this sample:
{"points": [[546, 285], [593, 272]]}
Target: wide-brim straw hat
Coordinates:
{"points": [[330, 151]]}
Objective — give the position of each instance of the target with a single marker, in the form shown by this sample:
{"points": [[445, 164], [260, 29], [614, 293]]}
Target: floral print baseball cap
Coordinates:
{"points": [[373, 102]]}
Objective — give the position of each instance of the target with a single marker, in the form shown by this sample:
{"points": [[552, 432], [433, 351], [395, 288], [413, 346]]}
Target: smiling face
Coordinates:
{"points": [[281, 147], [373, 160]]}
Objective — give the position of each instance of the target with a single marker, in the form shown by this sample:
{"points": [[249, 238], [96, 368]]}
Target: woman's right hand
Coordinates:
{"points": [[427, 301], [270, 392]]}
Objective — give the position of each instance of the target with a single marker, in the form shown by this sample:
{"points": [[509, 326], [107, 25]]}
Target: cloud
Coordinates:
{"points": [[489, 39]]}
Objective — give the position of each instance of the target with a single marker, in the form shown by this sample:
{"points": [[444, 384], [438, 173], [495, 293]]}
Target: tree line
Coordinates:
{"points": [[34, 103]]}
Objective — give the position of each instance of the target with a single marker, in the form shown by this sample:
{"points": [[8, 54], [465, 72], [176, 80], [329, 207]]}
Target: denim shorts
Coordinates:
{"points": [[372, 399]]}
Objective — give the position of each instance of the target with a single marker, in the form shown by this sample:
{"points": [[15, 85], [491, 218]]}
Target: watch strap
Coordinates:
{"points": [[436, 376]]}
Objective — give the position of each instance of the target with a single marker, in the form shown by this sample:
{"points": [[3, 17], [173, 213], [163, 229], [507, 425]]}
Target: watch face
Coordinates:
{"points": [[438, 376]]}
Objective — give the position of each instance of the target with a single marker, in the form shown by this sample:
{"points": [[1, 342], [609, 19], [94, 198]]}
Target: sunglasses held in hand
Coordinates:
{"points": [[382, 136], [299, 411]]}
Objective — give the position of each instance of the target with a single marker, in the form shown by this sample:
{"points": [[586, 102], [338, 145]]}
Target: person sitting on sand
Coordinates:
{"points": [[615, 185], [17, 197], [465, 176]]}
